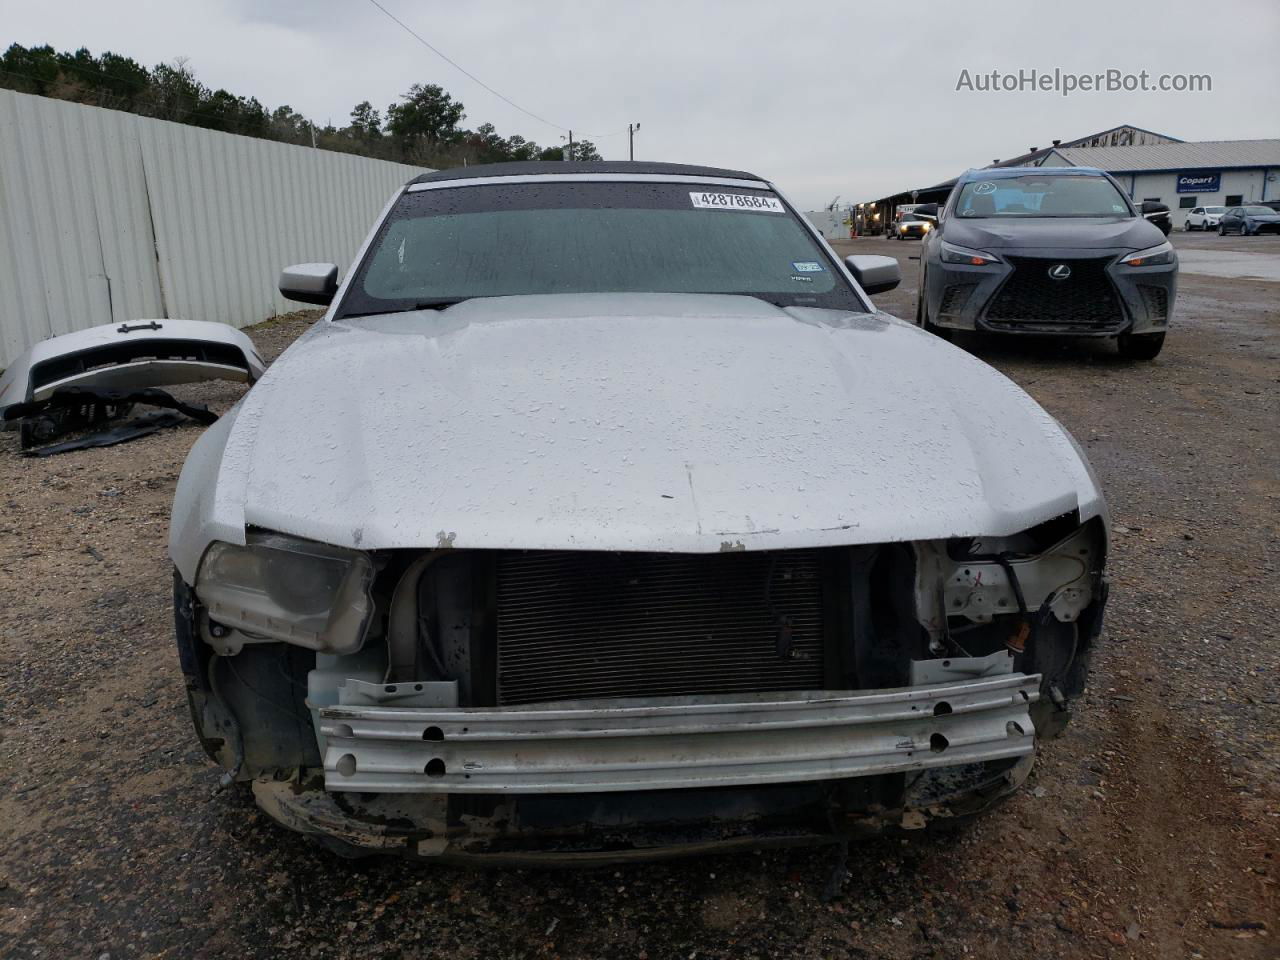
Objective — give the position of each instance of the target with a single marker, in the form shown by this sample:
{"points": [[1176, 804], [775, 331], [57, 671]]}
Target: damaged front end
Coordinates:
{"points": [[589, 705]]}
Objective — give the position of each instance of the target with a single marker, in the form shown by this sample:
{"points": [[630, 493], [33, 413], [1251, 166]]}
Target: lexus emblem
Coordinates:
{"points": [[1059, 271]]}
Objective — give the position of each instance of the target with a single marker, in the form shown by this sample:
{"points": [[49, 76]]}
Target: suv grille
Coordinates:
{"points": [[576, 625], [1032, 300]]}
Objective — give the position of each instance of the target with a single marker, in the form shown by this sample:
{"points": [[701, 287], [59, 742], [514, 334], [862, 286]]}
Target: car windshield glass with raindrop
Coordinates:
{"points": [[439, 246], [1041, 196]]}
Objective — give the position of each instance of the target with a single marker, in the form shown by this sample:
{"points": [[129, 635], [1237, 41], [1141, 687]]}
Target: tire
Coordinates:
{"points": [[1222, 230], [1140, 346]]}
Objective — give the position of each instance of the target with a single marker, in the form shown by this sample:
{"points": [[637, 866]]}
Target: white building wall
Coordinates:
{"points": [[107, 216], [1247, 184], [831, 223]]}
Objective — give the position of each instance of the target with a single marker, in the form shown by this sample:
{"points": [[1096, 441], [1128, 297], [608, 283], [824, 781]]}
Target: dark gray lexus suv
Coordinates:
{"points": [[1035, 250]]}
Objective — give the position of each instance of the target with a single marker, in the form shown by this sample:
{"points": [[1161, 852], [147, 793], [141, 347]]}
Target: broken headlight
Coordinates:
{"points": [[301, 592]]}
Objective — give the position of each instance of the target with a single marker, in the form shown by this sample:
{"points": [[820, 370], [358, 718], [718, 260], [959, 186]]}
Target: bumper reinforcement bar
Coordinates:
{"points": [[676, 742]]}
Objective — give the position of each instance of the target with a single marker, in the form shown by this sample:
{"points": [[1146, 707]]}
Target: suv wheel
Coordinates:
{"points": [[1140, 346]]}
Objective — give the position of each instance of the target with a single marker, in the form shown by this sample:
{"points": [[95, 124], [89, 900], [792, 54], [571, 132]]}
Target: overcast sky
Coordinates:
{"points": [[858, 100]]}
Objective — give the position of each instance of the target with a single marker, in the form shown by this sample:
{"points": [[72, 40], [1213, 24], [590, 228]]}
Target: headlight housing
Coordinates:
{"points": [[975, 258], [1150, 257], [305, 593]]}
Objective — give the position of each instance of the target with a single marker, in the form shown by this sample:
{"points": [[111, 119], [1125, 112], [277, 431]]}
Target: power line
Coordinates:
{"points": [[148, 77], [463, 70]]}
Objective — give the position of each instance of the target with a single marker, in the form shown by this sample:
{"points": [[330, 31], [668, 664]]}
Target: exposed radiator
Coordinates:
{"points": [[578, 625]]}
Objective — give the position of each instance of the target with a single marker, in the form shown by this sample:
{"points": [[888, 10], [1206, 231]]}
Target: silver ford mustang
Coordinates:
{"points": [[603, 515]]}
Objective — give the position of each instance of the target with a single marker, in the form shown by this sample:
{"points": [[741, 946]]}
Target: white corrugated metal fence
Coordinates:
{"points": [[107, 216]]}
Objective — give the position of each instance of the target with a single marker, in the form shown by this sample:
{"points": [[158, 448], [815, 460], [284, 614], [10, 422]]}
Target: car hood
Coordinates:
{"points": [[1100, 233], [689, 423]]}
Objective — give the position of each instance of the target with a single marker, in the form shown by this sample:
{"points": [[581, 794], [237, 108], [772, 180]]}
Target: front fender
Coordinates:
{"points": [[208, 504]]}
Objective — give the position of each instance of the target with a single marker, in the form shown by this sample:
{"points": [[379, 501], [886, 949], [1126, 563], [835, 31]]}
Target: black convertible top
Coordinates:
{"points": [[536, 167]]}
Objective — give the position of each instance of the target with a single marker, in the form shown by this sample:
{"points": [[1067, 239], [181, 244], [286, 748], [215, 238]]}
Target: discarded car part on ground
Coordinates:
{"points": [[605, 552], [71, 409], [132, 356], [1047, 251], [141, 426]]}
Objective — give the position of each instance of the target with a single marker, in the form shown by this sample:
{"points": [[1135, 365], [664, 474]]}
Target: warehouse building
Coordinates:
{"points": [[1149, 166], [1185, 175]]}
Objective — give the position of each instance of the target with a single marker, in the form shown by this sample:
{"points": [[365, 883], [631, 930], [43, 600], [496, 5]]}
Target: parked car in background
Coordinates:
{"points": [[633, 526], [1204, 218], [1249, 221], [911, 227], [1056, 251], [1157, 213]]}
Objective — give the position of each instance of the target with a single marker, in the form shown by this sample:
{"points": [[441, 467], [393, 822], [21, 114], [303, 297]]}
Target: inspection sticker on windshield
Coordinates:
{"points": [[807, 266], [737, 201]]}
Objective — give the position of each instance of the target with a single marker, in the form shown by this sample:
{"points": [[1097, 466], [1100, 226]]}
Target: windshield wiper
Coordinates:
{"points": [[440, 303]]}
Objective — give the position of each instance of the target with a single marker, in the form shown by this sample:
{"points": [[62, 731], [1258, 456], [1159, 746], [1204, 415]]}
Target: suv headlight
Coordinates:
{"points": [[1150, 257], [975, 258], [301, 592]]}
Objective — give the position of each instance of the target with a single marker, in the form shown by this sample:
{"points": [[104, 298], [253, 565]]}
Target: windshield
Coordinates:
{"points": [[1214, 209], [440, 246], [1038, 195], [1258, 211]]}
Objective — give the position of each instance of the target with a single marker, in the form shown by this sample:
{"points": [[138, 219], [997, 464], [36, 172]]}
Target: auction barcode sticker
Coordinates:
{"points": [[751, 202]]}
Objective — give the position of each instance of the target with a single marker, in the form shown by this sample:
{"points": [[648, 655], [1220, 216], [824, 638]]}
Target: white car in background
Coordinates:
{"points": [[1204, 218]]}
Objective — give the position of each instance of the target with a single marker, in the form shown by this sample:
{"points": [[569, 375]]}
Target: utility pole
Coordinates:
{"points": [[569, 155], [631, 139]]}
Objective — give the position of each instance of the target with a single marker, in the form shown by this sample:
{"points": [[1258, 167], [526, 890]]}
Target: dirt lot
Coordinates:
{"points": [[1152, 829]]}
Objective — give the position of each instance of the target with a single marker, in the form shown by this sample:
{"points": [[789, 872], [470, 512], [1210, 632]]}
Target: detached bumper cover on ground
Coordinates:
{"points": [[677, 742]]}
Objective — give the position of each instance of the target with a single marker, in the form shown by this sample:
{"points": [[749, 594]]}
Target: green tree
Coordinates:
{"points": [[585, 150], [174, 92], [427, 118], [366, 122], [289, 125], [423, 128]]}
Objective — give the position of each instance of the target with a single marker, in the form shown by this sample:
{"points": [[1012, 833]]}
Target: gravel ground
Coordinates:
{"points": [[1151, 829]]}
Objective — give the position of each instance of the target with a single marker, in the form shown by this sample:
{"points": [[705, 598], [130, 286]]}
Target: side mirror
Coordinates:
{"points": [[310, 282], [927, 210], [1150, 206], [874, 274]]}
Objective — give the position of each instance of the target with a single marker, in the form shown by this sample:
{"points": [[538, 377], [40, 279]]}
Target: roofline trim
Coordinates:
{"points": [[1008, 173], [1187, 168], [1120, 126], [590, 178]]}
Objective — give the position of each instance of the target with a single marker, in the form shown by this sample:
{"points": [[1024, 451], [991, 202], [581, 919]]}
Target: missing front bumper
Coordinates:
{"points": [[678, 742]]}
